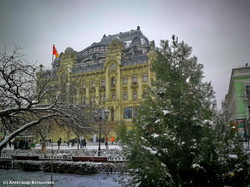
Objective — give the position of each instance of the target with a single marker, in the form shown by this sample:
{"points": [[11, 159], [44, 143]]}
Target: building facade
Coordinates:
{"points": [[111, 74], [237, 101]]}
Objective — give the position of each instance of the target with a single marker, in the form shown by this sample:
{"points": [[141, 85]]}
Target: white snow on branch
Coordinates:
{"points": [[233, 156], [197, 166], [165, 111], [155, 135], [157, 121], [150, 150], [208, 122]]}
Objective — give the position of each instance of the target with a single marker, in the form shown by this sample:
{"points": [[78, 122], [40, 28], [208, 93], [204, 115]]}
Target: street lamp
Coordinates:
{"points": [[101, 115]]}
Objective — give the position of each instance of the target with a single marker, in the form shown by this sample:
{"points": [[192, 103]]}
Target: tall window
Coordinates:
{"points": [[125, 95], [145, 78], [83, 84], [113, 82], [113, 95], [93, 84], [134, 79], [84, 100], [135, 95], [125, 80], [104, 97], [103, 84]]}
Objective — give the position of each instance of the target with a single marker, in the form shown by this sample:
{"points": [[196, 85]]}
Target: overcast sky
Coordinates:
{"points": [[218, 30]]}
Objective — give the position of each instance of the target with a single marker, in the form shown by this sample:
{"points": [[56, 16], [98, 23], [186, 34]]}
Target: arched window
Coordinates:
{"points": [[130, 112], [127, 114]]}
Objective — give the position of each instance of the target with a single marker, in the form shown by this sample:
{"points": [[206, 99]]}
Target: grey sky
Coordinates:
{"points": [[218, 30]]}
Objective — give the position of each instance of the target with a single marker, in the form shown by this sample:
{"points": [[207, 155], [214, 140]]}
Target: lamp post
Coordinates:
{"points": [[101, 115]]}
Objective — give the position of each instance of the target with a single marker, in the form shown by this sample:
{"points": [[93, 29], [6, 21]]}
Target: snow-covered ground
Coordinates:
{"points": [[23, 178], [89, 146], [64, 146]]}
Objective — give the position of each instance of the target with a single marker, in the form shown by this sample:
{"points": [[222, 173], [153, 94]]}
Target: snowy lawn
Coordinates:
{"points": [[60, 180]]}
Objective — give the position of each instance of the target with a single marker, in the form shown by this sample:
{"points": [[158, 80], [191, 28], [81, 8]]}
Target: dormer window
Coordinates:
{"points": [[137, 41]]}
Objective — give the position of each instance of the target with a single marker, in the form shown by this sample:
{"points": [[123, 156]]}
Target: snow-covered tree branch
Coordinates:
{"points": [[27, 99]]}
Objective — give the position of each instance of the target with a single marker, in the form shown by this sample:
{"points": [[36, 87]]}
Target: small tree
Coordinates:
{"points": [[177, 140]]}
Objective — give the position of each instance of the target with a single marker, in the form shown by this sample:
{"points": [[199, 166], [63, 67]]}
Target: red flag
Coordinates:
{"points": [[55, 52]]}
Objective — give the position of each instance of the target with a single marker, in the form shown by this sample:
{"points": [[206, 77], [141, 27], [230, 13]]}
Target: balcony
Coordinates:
{"points": [[112, 87], [134, 85], [102, 88]]}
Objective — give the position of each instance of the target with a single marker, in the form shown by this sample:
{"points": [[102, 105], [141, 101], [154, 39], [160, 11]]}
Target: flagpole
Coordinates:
{"points": [[53, 54]]}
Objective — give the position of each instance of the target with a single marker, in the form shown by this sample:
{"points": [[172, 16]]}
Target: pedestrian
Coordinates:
{"points": [[68, 143], [106, 144], [59, 142], [15, 144], [10, 144], [112, 139], [84, 143], [26, 144], [21, 144]]}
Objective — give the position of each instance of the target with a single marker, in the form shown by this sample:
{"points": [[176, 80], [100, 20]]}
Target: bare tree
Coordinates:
{"points": [[27, 99]]}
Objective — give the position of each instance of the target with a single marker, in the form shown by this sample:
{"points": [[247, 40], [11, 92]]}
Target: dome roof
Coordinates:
{"points": [[69, 50], [116, 39]]}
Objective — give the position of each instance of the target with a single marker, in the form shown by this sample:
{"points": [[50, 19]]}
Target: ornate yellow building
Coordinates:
{"points": [[112, 73]]}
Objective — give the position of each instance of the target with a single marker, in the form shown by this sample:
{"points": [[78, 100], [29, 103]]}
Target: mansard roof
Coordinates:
{"points": [[126, 36], [92, 58]]}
